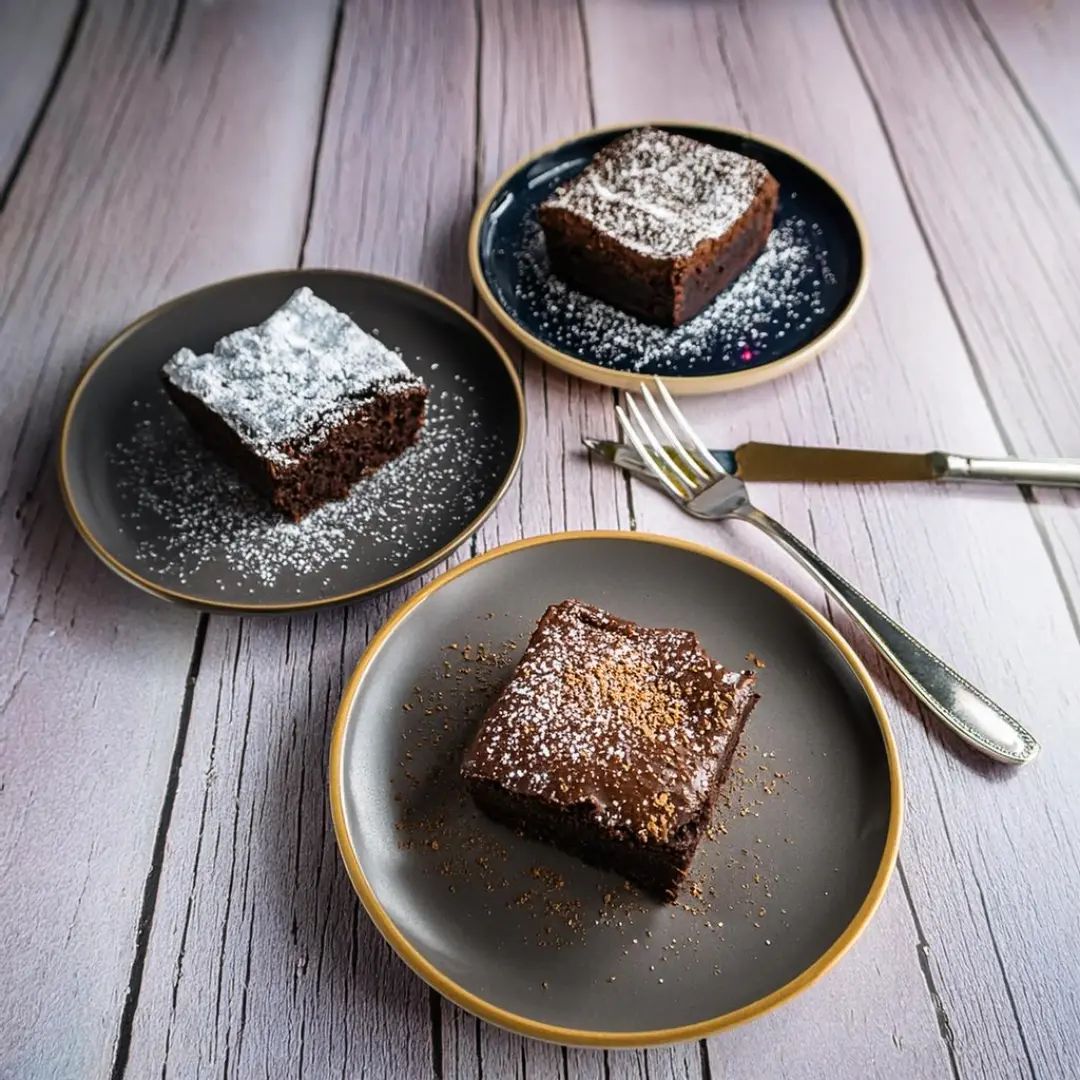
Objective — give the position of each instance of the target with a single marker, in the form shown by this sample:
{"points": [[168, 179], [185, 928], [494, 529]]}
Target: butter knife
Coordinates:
{"points": [[827, 464]]}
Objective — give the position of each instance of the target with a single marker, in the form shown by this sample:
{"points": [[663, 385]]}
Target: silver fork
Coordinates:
{"points": [[690, 474]]}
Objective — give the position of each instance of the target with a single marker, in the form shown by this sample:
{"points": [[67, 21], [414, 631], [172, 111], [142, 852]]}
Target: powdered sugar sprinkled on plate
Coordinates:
{"points": [[780, 295], [193, 520]]}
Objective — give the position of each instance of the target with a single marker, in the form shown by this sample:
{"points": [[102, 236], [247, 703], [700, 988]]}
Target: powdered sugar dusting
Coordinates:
{"points": [[193, 522], [662, 194], [632, 722], [778, 297], [283, 384]]}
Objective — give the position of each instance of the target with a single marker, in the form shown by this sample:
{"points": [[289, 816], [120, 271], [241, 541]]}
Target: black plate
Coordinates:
{"points": [[537, 941], [816, 229], [168, 516]]}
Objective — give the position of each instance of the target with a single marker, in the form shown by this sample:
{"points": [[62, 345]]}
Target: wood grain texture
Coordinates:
{"points": [[1007, 252], [1007, 260], [261, 960], [967, 572], [867, 1018], [186, 142], [254, 901], [534, 90], [115, 208], [396, 175], [1038, 43], [33, 53]]}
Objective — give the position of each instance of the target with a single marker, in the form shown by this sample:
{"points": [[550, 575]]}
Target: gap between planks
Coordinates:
{"points": [[977, 370], [146, 918], [63, 60], [157, 859]]}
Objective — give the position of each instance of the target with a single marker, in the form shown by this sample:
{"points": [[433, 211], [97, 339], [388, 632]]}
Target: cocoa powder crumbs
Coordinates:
{"points": [[437, 820], [630, 687]]}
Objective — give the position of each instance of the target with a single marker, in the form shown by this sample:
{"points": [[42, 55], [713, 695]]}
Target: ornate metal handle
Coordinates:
{"points": [[965, 709], [1062, 472]]}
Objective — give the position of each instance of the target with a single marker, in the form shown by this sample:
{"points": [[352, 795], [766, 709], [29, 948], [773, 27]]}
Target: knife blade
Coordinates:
{"points": [[827, 464]]}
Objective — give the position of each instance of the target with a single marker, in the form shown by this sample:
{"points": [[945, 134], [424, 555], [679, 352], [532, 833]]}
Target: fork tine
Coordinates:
{"points": [[647, 459], [662, 456], [706, 456], [670, 435]]}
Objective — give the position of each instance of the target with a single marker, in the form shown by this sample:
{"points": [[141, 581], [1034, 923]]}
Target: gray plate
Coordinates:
{"points": [[538, 942], [168, 516]]}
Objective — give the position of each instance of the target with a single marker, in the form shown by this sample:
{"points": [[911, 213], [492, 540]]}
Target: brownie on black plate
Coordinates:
{"points": [[302, 405], [658, 224], [611, 740]]}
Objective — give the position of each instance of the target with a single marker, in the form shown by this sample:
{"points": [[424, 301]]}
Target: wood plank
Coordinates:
{"points": [[1019, 320], [1038, 43], [1021, 329], [33, 41], [119, 204], [680, 1062], [955, 566], [867, 1018], [1020, 219], [534, 90], [261, 958], [363, 216]]}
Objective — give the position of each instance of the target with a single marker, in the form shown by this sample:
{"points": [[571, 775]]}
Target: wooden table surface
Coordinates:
{"points": [[171, 899]]}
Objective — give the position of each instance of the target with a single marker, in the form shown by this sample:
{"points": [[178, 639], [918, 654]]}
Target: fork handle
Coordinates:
{"points": [[958, 704]]}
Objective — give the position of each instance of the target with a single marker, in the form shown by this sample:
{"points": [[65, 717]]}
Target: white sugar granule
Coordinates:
{"points": [[778, 296], [662, 194], [283, 384], [199, 512]]}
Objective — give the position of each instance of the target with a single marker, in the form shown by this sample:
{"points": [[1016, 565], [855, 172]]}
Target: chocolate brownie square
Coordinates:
{"points": [[302, 405], [611, 741], [657, 224]]}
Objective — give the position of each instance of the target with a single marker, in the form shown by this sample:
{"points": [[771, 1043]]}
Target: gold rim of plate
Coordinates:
{"points": [[617, 1039], [165, 592], [678, 384]]}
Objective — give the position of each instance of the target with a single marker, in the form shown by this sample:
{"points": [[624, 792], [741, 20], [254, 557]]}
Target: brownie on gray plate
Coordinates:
{"points": [[302, 405], [611, 741], [657, 224]]}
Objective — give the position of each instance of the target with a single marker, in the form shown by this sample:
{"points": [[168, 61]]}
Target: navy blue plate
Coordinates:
{"points": [[779, 313]]}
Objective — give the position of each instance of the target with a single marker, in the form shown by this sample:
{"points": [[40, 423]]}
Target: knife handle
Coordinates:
{"points": [[1062, 472]]}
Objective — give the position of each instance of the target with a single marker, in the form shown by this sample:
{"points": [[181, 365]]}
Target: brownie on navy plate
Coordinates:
{"points": [[612, 741], [303, 405], [657, 224]]}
